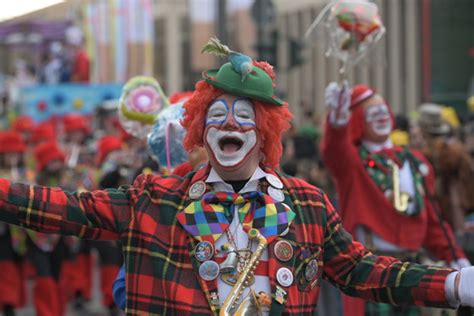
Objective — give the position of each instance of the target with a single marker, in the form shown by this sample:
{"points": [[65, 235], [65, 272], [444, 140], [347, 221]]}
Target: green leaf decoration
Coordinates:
{"points": [[215, 47]]}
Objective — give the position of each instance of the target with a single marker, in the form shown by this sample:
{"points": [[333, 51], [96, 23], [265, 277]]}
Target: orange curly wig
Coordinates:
{"points": [[271, 120]]}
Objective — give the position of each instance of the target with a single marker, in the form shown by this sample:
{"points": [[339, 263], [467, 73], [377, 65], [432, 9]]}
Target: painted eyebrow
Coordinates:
{"points": [[375, 107], [223, 101], [206, 118], [240, 99]]}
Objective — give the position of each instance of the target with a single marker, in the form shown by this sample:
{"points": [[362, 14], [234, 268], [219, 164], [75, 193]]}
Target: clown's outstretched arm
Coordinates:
{"points": [[339, 154], [101, 214], [357, 272]]}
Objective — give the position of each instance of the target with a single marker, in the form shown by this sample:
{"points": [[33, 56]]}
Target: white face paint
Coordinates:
{"points": [[230, 148], [230, 132], [379, 120]]}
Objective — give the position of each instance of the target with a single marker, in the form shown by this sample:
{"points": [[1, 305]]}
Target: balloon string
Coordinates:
{"points": [[167, 147], [317, 20]]}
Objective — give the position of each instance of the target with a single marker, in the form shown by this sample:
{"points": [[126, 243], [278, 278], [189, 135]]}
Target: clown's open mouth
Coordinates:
{"points": [[230, 145]]}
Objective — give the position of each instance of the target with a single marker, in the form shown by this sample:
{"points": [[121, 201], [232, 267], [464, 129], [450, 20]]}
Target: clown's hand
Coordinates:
{"points": [[460, 263], [466, 286], [460, 287], [338, 99]]}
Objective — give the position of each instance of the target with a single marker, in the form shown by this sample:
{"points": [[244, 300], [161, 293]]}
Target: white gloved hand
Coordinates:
{"points": [[338, 100], [466, 286], [460, 263]]}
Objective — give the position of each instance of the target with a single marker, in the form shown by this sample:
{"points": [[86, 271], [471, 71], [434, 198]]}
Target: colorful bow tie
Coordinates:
{"points": [[208, 218]]}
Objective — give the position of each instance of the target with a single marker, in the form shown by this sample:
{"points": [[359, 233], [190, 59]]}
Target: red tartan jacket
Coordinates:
{"points": [[362, 202], [162, 272]]}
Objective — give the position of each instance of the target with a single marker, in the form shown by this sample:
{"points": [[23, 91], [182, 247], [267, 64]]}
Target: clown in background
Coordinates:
{"points": [[46, 252], [385, 191], [12, 245], [111, 161]]}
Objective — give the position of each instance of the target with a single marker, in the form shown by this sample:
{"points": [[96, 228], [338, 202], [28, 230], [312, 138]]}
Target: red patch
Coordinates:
{"points": [[42, 106]]}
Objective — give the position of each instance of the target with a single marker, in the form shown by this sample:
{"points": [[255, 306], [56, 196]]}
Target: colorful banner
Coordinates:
{"points": [[45, 101], [120, 36]]}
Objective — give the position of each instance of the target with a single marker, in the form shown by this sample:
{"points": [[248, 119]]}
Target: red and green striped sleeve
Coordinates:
{"points": [[101, 214], [357, 272]]}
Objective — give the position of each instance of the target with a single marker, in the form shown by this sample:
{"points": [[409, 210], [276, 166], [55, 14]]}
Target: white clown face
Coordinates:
{"points": [[378, 120], [378, 117], [230, 135]]}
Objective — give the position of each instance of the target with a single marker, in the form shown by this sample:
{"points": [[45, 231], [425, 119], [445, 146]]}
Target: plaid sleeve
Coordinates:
{"points": [[357, 272], [93, 215]]}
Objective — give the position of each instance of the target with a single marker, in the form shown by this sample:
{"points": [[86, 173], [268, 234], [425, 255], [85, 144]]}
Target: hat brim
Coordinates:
{"points": [[438, 128], [442, 129], [210, 77]]}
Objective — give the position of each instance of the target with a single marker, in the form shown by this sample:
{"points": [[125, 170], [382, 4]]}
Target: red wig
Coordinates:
{"points": [[271, 120], [180, 96]]}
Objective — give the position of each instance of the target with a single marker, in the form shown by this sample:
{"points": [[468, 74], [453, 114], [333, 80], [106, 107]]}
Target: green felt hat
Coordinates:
{"points": [[257, 85]]}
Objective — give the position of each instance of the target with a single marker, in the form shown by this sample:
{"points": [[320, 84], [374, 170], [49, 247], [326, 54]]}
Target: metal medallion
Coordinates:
{"points": [[276, 194], [280, 295], [283, 250], [204, 251], [311, 270], [284, 277], [209, 270], [197, 190], [274, 181]]}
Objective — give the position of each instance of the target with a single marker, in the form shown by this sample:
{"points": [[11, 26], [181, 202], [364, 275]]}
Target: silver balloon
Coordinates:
{"points": [[165, 140]]}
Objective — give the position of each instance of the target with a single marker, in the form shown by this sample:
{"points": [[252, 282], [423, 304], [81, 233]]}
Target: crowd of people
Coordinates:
{"points": [[61, 62], [77, 154], [402, 189]]}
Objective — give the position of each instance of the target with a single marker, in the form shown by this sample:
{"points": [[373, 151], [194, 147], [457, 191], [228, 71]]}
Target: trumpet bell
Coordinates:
{"points": [[229, 265]]}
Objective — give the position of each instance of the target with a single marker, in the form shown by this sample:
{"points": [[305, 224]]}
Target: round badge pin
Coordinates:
{"points": [[204, 251], [209, 270], [311, 270], [283, 250], [274, 181], [197, 190], [276, 194], [284, 277]]}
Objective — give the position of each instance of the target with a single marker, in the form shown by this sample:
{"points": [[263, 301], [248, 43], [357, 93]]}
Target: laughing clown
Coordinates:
{"points": [[235, 237]]}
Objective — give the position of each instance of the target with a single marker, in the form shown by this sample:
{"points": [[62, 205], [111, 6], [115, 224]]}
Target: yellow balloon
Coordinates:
{"points": [[470, 103], [448, 113], [399, 138]]}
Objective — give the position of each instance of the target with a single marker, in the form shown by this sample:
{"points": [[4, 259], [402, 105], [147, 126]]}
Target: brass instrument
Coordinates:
{"points": [[400, 199], [249, 306], [243, 280]]}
